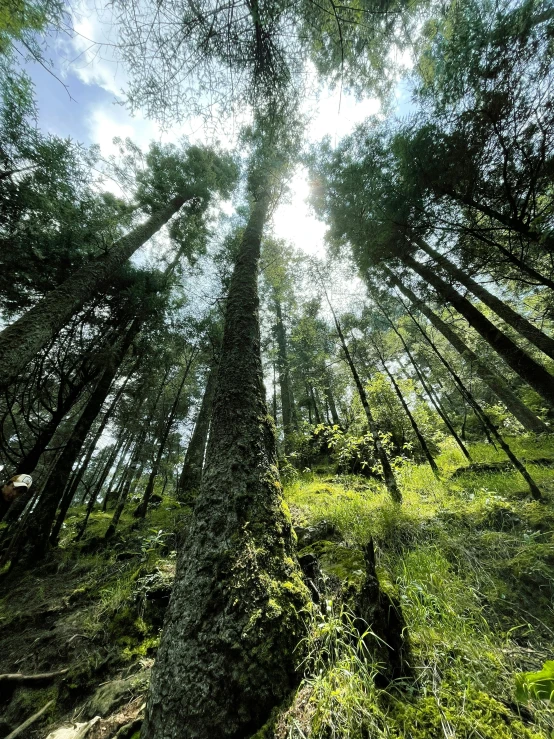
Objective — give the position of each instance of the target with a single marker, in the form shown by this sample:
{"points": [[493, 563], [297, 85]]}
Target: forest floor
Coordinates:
{"points": [[469, 558]]}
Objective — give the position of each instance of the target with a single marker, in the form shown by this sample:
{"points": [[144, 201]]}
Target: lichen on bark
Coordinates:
{"points": [[227, 655]]}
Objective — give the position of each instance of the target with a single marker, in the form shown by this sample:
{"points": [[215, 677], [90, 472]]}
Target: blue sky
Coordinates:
{"points": [[91, 115]]}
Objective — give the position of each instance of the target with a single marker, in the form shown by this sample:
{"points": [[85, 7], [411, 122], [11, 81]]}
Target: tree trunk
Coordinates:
{"points": [[411, 418], [45, 511], [20, 341], [287, 403], [71, 489], [331, 401], [525, 366], [227, 652], [191, 475], [388, 474], [426, 388], [499, 386], [95, 491], [120, 462], [507, 314], [317, 414], [143, 507], [132, 477], [483, 417]]}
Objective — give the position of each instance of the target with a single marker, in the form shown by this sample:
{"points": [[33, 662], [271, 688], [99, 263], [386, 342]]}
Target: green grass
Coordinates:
{"points": [[471, 560]]}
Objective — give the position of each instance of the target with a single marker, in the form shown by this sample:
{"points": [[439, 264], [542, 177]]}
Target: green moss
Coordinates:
{"points": [[464, 713], [338, 561]]}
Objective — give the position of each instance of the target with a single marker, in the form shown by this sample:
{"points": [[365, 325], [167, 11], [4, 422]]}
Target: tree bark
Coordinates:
{"points": [[483, 417], [191, 475], [227, 652], [411, 418], [520, 362], [287, 402], [143, 507], [523, 414], [507, 314], [45, 511], [20, 341]]}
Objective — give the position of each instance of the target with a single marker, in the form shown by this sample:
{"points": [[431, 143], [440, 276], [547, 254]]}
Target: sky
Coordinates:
{"points": [[81, 99]]}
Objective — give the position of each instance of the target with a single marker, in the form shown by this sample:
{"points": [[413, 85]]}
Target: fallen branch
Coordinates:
{"points": [[18, 678], [25, 725]]}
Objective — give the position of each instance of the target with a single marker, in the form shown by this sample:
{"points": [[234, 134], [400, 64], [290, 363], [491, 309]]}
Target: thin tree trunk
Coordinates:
{"points": [[71, 489], [234, 616], [520, 362], [191, 475], [411, 418], [388, 474], [143, 507], [480, 413], [45, 511], [95, 491], [116, 474], [331, 401], [498, 385], [20, 341], [507, 314], [426, 388]]}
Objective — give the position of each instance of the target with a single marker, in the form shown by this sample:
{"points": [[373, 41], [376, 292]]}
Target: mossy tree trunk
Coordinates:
{"points": [[227, 652]]}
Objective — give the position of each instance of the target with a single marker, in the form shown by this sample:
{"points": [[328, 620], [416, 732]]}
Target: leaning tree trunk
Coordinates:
{"points": [[45, 511], [20, 341], [143, 507], [413, 422], [426, 388], [519, 323], [227, 652], [71, 489], [483, 417], [498, 385], [191, 475], [388, 474], [533, 373]]}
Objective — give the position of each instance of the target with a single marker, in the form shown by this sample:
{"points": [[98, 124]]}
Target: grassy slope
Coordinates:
{"points": [[470, 558]]}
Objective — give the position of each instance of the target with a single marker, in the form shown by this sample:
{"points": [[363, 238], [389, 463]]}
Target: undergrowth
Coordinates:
{"points": [[470, 559]]}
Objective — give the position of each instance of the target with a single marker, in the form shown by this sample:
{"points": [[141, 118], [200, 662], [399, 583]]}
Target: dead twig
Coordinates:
{"points": [[18, 678], [31, 720]]}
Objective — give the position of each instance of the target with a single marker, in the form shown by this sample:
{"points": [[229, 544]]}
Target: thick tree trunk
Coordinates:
{"points": [[315, 407], [499, 386], [507, 314], [45, 511], [20, 341], [227, 652], [191, 475], [520, 362]]}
